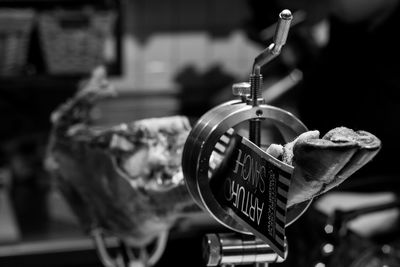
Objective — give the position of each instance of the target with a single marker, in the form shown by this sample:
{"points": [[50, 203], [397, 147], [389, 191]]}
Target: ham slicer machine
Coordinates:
{"points": [[246, 189], [228, 174]]}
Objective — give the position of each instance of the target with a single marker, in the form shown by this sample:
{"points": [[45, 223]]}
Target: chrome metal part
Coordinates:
{"points": [[242, 90], [235, 249], [188, 157], [282, 30], [205, 135], [255, 89], [274, 49], [256, 99]]}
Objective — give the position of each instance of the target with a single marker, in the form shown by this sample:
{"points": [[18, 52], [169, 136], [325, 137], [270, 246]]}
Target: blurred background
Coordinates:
{"points": [[165, 58]]}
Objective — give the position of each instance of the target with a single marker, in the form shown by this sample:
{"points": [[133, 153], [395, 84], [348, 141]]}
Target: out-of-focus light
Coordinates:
{"points": [[328, 248], [328, 228], [386, 249]]}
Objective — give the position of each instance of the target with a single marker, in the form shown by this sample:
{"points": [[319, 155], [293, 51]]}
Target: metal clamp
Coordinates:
{"points": [[203, 139]]}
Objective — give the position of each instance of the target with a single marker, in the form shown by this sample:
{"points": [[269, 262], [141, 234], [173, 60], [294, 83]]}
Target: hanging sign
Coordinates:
{"points": [[253, 186]]}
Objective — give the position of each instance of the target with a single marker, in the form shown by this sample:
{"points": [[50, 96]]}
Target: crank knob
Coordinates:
{"points": [[241, 89]]}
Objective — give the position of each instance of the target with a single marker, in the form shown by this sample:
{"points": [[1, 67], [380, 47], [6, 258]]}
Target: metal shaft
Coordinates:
{"points": [[255, 124], [273, 50]]}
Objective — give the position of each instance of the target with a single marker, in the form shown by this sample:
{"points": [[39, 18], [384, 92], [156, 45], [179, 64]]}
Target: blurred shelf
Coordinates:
{"points": [[60, 253], [38, 81], [56, 2], [50, 246], [36, 58], [50, 1]]}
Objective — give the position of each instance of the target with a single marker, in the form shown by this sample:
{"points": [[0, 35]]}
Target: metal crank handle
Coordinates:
{"points": [[280, 37]]}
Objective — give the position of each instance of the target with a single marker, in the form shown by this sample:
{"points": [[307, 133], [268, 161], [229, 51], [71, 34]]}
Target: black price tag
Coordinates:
{"points": [[253, 186]]}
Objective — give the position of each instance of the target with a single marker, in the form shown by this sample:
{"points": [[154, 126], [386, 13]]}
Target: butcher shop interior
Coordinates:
{"points": [[199, 133]]}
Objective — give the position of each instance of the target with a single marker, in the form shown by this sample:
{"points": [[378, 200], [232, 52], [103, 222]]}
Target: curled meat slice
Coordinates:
{"points": [[323, 163]]}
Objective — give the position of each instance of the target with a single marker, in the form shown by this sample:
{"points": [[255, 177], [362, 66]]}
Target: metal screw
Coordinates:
{"points": [[241, 89]]}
